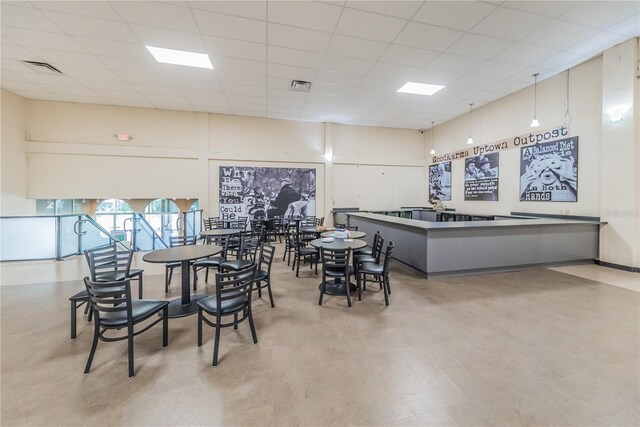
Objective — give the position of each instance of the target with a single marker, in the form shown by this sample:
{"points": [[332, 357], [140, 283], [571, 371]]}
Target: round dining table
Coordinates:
{"points": [[217, 232], [338, 287], [186, 304], [354, 234]]}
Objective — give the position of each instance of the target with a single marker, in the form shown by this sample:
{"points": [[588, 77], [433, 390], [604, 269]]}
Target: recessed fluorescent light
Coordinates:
{"points": [[180, 57], [420, 88]]}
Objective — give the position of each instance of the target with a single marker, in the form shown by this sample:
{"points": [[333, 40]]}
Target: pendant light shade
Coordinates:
{"points": [[470, 140], [535, 123], [433, 141]]}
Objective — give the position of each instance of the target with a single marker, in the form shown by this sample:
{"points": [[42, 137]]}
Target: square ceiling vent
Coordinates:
{"points": [[300, 86]]}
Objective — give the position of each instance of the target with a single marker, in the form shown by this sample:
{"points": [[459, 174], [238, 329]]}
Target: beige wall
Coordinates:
{"points": [[511, 116], [13, 157]]}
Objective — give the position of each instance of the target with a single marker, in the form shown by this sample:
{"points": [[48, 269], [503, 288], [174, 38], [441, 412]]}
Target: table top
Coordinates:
{"points": [[339, 244], [354, 234], [294, 218], [319, 229], [221, 232], [182, 253]]}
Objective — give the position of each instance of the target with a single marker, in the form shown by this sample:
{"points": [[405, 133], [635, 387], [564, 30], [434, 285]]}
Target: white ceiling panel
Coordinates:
{"points": [[551, 9], [356, 48], [355, 54], [426, 36], [399, 9], [231, 27], [477, 46], [411, 56], [31, 38], [156, 14], [559, 35], [297, 57], [298, 38], [169, 39], [247, 9], [93, 27], [509, 24], [312, 15], [23, 16], [458, 15], [367, 25]]}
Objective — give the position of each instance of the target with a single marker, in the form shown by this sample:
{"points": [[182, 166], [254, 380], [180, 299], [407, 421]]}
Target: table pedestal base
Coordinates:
{"points": [[177, 309], [338, 288]]}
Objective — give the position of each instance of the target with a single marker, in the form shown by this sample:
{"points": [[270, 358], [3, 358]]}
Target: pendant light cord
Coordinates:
{"points": [[567, 114]]}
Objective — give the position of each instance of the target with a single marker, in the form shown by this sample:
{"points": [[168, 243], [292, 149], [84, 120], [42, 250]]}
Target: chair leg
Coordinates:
{"points": [[258, 285], [359, 288], [130, 351], [387, 281], [270, 294], [383, 281], [94, 345], [348, 288], [73, 319], [322, 288], [165, 326], [206, 275], [140, 286], [90, 315], [195, 278], [253, 327], [166, 280], [216, 342], [199, 327], [294, 263], [235, 321]]}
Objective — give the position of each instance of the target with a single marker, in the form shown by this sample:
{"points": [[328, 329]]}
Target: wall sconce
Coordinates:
{"points": [[534, 122], [616, 113], [470, 140]]}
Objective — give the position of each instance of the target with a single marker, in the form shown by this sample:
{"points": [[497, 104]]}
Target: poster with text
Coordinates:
{"points": [[481, 177], [440, 181], [260, 193], [549, 171]]}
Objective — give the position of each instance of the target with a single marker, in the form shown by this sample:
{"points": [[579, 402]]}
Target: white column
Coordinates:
{"points": [[620, 157], [328, 174]]}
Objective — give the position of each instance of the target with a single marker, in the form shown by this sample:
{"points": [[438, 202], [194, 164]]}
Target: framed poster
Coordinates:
{"points": [[481, 177], [260, 192], [549, 171], [440, 181]]}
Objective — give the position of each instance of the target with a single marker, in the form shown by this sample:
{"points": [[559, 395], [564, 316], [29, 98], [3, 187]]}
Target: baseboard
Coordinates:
{"points": [[617, 266]]}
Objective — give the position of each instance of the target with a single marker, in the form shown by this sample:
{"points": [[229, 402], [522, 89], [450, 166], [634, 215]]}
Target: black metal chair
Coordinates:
{"points": [[369, 249], [336, 267], [303, 253], [290, 240], [170, 266], [246, 255], [109, 264], [319, 222], [113, 308], [379, 273], [235, 242], [263, 273], [211, 262], [275, 229], [233, 298], [376, 252]]}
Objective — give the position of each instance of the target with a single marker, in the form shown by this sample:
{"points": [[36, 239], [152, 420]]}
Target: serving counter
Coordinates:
{"points": [[468, 246]]}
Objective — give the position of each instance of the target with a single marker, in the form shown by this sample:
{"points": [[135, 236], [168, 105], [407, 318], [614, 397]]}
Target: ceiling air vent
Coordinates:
{"points": [[42, 67], [300, 86]]}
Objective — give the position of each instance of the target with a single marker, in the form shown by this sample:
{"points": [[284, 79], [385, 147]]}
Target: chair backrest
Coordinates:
{"points": [[309, 221], [376, 250], [212, 222], [182, 241], [258, 229], [319, 222], [235, 284], [266, 258], [249, 248], [109, 297], [375, 239], [335, 260], [239, 223], [387, 257], [222, 241], [103, 261]]}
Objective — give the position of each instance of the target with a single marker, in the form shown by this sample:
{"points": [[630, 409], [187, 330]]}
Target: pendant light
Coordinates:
{"points": [[534, 122], [470, 140], [433, 141]]}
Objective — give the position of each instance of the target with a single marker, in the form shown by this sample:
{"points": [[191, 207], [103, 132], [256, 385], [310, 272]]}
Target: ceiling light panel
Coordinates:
{"points": [[420, 88], [180, 57]]}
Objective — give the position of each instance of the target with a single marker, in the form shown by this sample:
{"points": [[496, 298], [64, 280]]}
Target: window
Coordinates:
{"points": [[61, 206], [195, 206]]}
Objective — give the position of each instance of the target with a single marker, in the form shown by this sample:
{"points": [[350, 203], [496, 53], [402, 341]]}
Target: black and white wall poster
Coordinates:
{"points": [[260, 193], [481, 177], [440, 181], [549, 171]]}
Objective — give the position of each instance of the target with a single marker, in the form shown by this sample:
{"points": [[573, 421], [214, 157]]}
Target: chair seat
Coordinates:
{"points": [[209, 262], [135, 272], [236, 264], [140, 310], [79, 296], [371, 268], [210, 304], [261, 275], [308, 251], [364, 258], [336, 272], [363, 251], [111, 276]]}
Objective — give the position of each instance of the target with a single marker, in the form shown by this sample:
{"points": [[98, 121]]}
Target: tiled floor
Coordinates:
{"points": [[532, 347]]}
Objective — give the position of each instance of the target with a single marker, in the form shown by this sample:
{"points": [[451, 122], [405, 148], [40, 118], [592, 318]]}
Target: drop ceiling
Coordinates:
{"points": [[355, 53]]}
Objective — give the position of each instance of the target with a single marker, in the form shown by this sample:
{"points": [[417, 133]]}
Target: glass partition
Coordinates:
{"points": [[192, 221], [24, 238], [69, 238], [145, 237]]}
